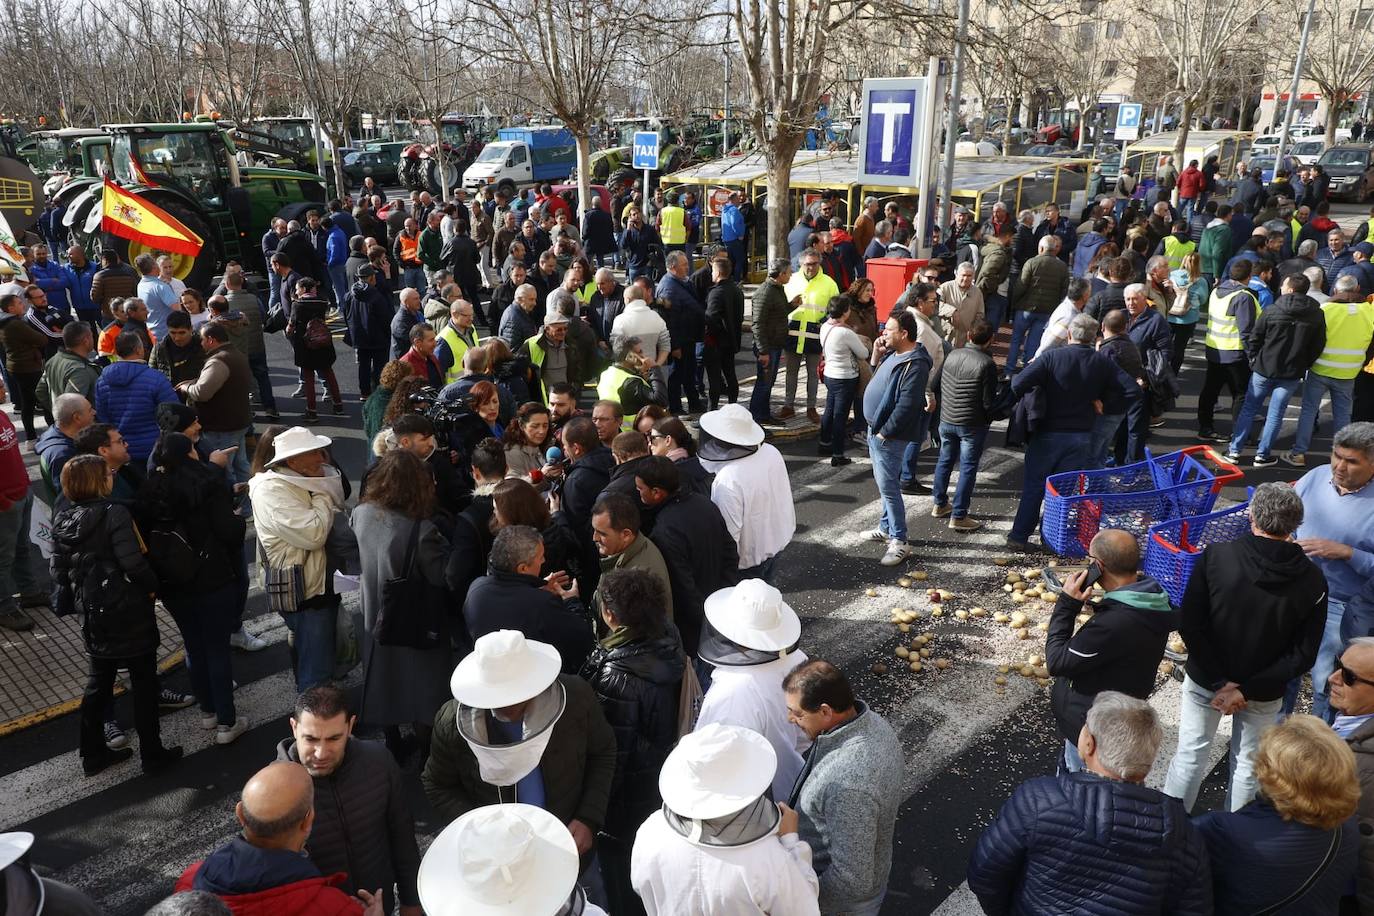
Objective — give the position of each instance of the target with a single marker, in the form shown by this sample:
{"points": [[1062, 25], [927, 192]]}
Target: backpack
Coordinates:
{"points": [[317, 335], [175, 559]]}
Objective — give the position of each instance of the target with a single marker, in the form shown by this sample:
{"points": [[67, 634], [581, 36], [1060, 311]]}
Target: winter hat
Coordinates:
{"points": [[175, 418]]}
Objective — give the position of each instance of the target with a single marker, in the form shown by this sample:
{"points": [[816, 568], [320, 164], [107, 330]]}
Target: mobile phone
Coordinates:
{"points": [[1056, 576]]}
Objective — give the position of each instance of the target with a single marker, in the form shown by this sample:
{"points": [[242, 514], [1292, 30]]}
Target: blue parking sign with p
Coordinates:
{"points": [[645, 154], [1128, 115]]}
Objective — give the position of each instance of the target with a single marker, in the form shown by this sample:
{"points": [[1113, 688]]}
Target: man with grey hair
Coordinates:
{"points": [[1338, 534], [1057, 329], [518, 323], [882, 237], [961, 304], [551, 354], [637, 319], [1044, 281], [514, 596], [1145, 855], [685, 315], [406, 317], [1253, 614], [1349, 346], [1299, 263], [72, 414], [1317, 277], [769, 319], [1076, 382]]}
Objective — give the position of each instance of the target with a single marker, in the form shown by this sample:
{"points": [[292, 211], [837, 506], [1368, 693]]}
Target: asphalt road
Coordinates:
{"points": [[124, 838]]}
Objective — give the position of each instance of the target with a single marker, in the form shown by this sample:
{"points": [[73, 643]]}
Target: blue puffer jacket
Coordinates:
{"points": [[52, 279], [127, 394], [1091, 846]]}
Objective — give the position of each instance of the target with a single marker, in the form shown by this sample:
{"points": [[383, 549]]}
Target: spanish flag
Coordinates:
{"points": [[140, 220]]}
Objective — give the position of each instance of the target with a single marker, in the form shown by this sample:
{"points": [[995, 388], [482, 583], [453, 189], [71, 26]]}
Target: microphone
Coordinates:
{"points": [[553, 455]]}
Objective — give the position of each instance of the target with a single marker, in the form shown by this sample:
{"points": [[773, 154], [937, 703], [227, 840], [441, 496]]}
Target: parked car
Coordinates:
{"points": [[1351, 167], [1265, 163], [1308, 151], [379, 164]]}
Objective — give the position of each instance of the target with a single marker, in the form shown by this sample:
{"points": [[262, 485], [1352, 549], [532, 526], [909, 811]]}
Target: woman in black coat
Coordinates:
{"points": [[636, 671], [196, 541], [517, 502], [100, 572], [671, 439], [312, 346]]}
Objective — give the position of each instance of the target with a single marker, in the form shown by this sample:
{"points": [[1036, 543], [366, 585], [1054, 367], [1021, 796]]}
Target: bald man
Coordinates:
{"points": [[1120, 646], [263, 870]]}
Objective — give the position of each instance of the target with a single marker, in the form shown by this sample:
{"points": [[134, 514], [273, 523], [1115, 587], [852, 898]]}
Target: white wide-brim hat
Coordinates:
{"points": [[500, 859], [504, 668], [296, 441], [753, 615], [13, 847], [715, 771], [732, 423]]}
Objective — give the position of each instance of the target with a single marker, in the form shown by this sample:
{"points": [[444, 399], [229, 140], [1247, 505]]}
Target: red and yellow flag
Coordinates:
{"points": [[140, 220]]}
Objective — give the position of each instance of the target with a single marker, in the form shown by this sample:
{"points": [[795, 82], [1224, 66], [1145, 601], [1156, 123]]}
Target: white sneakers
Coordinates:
{"points": [[228, 734], [246, 641], [897, 551]]}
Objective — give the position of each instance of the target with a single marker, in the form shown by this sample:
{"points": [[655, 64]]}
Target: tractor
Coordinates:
{"points": [[463, 139], [190, 171]]}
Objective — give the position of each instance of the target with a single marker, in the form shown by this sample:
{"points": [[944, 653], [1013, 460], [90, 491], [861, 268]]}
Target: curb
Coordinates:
{"points": [[28, 720]]}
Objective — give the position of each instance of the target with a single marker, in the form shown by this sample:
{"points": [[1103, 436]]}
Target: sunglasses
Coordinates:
{"points": [[1350, 678]]}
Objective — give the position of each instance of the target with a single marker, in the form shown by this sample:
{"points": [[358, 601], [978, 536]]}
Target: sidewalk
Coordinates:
{"points": [[43, 670]]}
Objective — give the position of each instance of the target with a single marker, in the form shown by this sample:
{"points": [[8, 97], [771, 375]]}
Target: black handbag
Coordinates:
{"points": [[409, 616], [275, 320]]}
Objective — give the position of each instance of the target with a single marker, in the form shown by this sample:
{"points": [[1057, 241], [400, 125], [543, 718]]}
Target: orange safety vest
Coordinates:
{"points": [[410, 248]]}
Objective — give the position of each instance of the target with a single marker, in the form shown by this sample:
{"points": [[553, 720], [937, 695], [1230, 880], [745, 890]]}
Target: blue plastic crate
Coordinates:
{"points": [[1174, 546]]}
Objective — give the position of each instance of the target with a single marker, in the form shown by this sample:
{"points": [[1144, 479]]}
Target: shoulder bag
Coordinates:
{"points": [[1311, 879], [284, 585]]}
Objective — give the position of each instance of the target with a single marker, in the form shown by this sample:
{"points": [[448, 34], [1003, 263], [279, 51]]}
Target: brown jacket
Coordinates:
{"points": [[863, 231]]}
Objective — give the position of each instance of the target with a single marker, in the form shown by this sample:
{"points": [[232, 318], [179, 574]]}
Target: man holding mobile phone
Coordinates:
{"points": [[1120, 646], [221, 398]]}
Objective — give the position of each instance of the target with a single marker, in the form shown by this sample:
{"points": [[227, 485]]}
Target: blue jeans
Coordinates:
{"points": [[968, 442], [1278, 391], [763, 571], [760, 400], [338, 278], [912, 455], [1026, 330], [313, 629], [206, 619], [995, 310], [238, 464], [887, 457], [1342, 391], [1334, 635], [274, 281], [737, 258], [257, 364], [839, 399], [1185, 207], [870, 907], [1197, 725], [414, 277], [16, 570], [1047, 453], [1104, 435]]}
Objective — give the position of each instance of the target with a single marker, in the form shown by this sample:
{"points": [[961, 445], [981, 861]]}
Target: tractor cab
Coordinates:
{"points": [[195, 162]]}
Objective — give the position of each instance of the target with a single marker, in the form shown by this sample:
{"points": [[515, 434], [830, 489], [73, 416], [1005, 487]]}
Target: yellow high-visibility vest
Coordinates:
{"points": [[1223, 331], [458, 347], [1349, 328], [672, 225], [1176, 251]]}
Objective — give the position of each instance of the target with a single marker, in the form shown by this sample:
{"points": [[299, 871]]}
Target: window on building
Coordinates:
{"points": [[1109, 69], [1360, 19], [1115, 30], [1086, 33]]}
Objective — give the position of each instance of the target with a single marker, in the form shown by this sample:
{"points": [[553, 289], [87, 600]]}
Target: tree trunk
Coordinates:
{"points": [[1185, 125], [779, 151], [440, 160], [334, 149], [584, 173], [1333, 114], [1081, 102], [1006, 127]]}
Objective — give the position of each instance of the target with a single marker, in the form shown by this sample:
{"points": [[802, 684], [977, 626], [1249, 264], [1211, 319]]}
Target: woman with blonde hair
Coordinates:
{"points": [[1186, 308], [1295, 848]]}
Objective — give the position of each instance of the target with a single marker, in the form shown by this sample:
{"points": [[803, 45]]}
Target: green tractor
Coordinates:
{"points": [[190, 171], [612, 167]]}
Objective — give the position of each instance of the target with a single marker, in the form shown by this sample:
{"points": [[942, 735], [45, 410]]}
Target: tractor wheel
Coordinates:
{"points": [[413, 173], [452, 174], [195, 271]]}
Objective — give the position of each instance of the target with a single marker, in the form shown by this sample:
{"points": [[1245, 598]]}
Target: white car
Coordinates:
{"points": [[1307, 151]]}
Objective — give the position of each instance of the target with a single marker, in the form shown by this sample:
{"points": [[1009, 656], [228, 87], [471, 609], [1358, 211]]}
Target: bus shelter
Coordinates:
{"points": [[1229, 146]]}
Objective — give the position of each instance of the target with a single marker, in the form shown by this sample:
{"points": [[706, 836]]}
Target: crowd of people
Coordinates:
{"points": [[569, 621]]}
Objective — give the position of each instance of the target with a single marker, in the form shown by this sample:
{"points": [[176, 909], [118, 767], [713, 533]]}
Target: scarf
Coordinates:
{"points": [[331, 484], [754, 822]]}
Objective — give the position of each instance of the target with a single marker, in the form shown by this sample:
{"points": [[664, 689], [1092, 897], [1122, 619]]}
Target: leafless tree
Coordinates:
{"points": [[331, 49], [236, 49], [1340, 58], [430, 65]]}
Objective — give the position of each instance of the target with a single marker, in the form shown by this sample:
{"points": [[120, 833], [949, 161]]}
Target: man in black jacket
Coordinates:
{"points": [[966, 387], [629, 449], [587, 475], [512, 596], [369, 312], [1113, 295], [1284, 343], [1120, 646], [689, 531], [363, 826], [724, 321], [1069, 382], [472, 537], [1253, 616]]}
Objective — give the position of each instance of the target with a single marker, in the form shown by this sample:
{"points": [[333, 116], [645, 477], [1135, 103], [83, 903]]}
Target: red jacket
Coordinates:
{"points": [[310, 897], [433, 372], [1191, 182], [14, 477]]}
